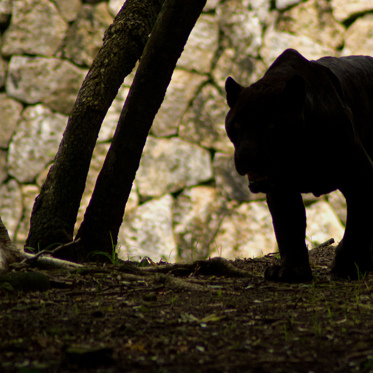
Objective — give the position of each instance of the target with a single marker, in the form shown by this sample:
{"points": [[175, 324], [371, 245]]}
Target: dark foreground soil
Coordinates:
{"points": [[196, 318]]}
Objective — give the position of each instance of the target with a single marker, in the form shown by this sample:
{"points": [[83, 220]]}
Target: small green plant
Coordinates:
{"points": [[360, 275], [48, 248], [173, 299], [31, 249], [285, 331], [113, 257], [368, 364], [98, 288], [330, 313], [317, 327]]}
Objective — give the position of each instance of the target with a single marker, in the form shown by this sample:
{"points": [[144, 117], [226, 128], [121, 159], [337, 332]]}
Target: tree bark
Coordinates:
{"points": [[55, 209], [103, 217]]}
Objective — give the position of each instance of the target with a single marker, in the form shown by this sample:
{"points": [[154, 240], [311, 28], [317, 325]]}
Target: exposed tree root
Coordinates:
{"points": [[210, 267]]}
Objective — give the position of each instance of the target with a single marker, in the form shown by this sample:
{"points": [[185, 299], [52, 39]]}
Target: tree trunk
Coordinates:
{"points": [[104, 214], [55, 209]]}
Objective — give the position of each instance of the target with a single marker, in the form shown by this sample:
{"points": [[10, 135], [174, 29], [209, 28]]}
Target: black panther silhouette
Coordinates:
{"points": [[307, 126]]}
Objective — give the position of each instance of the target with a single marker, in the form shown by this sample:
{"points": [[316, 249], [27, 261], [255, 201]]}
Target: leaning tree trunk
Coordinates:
{"points": [[104, 214], [56, 208]]}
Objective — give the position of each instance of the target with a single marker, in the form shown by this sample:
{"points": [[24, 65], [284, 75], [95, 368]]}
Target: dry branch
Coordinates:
{"points": [[44, 259]]}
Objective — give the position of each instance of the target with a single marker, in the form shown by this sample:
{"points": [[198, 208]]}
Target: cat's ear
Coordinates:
{"points": [[233, 89]]}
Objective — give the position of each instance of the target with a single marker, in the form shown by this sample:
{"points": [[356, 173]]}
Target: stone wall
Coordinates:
{"points": [[187, 200]]}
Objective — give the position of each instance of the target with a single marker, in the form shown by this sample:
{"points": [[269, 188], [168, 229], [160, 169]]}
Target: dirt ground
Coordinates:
{"points": [[215, 316]]}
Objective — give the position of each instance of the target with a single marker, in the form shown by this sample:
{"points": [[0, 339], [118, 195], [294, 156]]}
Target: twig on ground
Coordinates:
{"points": [[324, 244], [177, 283], [50, 252], [41, 261], [48, 262]]}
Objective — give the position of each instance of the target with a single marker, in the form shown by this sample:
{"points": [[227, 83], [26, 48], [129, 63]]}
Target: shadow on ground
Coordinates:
{"points": [[203, 317]]}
